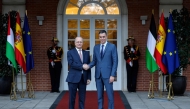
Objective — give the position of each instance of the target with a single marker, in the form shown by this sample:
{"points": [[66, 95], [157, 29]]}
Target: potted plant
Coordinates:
{"points": [[181, 21], [5, 69]]}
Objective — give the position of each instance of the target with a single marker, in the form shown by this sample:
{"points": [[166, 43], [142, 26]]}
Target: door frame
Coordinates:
{"points": [[117, 85]]}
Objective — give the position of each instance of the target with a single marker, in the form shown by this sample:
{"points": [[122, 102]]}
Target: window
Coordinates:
{"points": [[92, 7]]}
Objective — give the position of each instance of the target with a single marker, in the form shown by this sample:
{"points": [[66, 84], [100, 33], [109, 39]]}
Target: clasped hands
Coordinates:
{"points": [[85, 66]]}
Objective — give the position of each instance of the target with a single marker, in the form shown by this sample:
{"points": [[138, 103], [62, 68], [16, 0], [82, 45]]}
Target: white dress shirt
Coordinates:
{"points": [[104, 46]]}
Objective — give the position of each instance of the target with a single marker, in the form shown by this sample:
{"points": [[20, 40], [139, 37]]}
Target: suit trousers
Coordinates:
{"points": [[132, 77], [81, 86], [100, 83], [55, 73]]}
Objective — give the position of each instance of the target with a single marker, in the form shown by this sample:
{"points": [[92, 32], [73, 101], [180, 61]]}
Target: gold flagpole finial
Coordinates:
{"points": [[26, 12], [152, 11], [162, 10], [170, 11]]}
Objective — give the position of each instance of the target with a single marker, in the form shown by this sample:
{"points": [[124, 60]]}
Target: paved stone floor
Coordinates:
{"points": [[138, 100]]}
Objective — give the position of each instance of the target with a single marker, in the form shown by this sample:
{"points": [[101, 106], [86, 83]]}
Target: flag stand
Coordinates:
{"points": [[151, 88], [161, 85], [30, 88], [13, 88], [22, 92], [170, 93]]}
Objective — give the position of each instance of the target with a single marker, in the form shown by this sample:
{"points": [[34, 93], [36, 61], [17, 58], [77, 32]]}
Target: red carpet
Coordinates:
{"points": [[91, 101]]}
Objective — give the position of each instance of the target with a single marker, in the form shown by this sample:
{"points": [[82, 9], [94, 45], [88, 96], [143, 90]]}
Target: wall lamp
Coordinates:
{"points": [[143, 18], [40, 18]]}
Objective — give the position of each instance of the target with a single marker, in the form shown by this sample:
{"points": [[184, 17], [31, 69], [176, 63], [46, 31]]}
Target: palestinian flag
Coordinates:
{"points": [[151, 43], [10, 49]]}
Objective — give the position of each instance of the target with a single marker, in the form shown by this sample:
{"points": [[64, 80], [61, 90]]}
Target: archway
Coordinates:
{"points": [[121, 33]]}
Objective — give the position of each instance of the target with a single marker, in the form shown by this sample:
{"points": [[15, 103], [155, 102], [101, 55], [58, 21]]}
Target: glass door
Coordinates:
{"points": [[88, 29], [110, 25], [79, 27]]}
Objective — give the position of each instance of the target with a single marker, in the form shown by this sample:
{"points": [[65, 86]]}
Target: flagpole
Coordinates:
{"points": [[153, 11], [170, 93], [9, 50], [30, 87], [161, 83], [13, 95], [151, 87], [22, 92]]}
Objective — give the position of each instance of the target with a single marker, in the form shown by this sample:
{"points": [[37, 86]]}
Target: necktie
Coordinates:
{"points": [[102, 51], [80, 54]]}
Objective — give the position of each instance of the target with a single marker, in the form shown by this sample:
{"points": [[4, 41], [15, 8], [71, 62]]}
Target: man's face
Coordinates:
{"points": [[78, 42], [103, 38], [131, 41], [55, 43]]}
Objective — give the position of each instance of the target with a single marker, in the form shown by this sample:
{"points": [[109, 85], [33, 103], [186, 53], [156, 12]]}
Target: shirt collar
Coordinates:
{"points": [[104, 44], [78, 49]]}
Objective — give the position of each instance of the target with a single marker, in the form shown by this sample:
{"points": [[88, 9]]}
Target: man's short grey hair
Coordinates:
{"points": [[78, 37]]}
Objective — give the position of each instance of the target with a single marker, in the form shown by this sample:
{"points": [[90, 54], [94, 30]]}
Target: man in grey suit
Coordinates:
{"points": [[105, 60]]}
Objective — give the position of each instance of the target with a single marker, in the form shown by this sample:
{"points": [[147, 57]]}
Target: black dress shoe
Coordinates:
{"points": [[51, 91], [58, 91]]}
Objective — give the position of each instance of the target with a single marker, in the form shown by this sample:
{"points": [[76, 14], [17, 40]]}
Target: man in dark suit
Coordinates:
{"points": [[105, 59], [54, 54], [77, 77], [131, 56]]}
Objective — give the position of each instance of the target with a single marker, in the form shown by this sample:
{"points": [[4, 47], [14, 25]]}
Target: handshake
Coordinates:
{"points": [[85, 66]]}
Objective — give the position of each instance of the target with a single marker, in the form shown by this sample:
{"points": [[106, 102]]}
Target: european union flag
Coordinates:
{"points": [[170, 56], [28, 45]]}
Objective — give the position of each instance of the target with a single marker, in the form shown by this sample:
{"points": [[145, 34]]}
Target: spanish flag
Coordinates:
{"points": [[160, 44], [19, 48]]}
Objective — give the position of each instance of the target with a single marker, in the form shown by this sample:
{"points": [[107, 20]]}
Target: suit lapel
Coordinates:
{"points": [[83, 55], [106, 49]]}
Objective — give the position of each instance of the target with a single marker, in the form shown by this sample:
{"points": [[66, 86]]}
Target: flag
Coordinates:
{"points": [[19, 47], [28, 45], [151, 43], [10, 52], [160, 44], [170, 56]]}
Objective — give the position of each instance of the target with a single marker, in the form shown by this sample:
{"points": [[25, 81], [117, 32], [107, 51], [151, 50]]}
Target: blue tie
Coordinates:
{"points": [[102, 51]]}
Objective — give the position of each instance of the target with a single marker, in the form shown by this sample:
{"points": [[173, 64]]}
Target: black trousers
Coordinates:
{"points": [[55, 73], [132, 76], [81, 86]]}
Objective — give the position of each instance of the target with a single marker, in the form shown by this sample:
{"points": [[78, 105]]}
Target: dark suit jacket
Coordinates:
{"points": [[75, 66]]}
